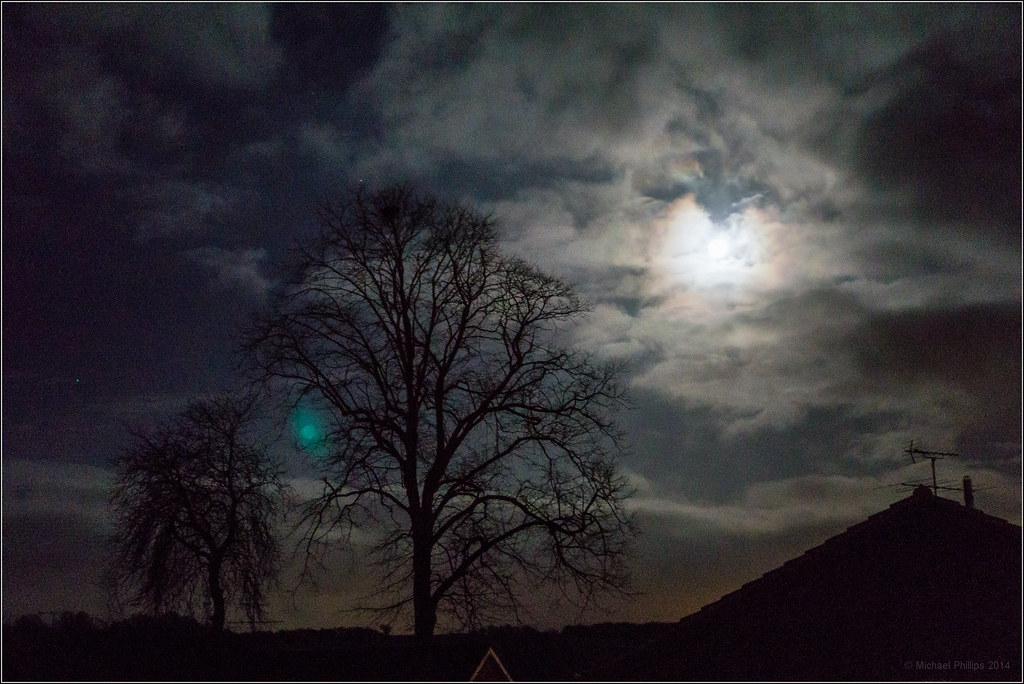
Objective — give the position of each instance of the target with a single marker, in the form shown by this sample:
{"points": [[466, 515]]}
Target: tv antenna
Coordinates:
{"points": [[933, 456]]}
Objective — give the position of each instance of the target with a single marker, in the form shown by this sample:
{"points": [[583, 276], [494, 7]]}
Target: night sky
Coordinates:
{"points": [[799, 226]]}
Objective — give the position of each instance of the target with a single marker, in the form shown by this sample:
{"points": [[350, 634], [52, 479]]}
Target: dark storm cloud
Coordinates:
{"points": [[949, 139], [208, 45], [159, 99], [326, 46], [131, 112], [980, 341], [975, 350]]}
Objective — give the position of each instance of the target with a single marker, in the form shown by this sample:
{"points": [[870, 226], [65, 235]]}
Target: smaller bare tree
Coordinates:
{"points": [[195, 504]]}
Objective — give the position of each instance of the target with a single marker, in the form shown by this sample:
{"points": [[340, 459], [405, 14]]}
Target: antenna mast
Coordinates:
{"points": [[932, 456]]}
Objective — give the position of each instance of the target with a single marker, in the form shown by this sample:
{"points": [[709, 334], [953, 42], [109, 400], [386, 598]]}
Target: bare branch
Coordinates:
{"points": [[462, 427]]}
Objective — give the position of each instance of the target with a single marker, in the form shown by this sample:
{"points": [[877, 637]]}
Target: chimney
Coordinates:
{"points": [[968, 492]]}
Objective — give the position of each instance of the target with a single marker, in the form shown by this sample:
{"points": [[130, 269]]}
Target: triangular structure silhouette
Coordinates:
{"points": [[490, 669]]}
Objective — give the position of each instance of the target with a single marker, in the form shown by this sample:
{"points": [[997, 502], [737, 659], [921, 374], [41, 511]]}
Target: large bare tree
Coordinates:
{"points": [[195, 505], [458, 418]]}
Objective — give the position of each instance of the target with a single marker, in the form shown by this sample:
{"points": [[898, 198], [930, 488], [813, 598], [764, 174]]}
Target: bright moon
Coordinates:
{"points": [[718, 248], [707, 255]]}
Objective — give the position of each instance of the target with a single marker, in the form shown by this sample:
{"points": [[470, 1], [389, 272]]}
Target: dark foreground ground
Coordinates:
{"points": [[177, 649]]}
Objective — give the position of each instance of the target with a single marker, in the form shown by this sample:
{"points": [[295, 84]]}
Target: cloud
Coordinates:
{"points": [[967, 356], [324, 142], [91, 106], [944, 140], [49, 488], [172, 207], [699, 125], [775, 507], [779, 507], [235, 269], [694, 100], [212, 45], [530, 106], [55, 520], [327, 46]]}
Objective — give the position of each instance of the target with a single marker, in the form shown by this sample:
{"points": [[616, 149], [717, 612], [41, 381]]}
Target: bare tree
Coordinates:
{"points": [[458, 421], [195, 505]]}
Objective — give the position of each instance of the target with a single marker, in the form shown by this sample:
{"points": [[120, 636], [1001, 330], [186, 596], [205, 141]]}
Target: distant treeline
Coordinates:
{"points": [[75, 646]]}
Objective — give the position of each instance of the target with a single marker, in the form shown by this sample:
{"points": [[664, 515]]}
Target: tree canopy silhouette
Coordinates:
{"points": [[456, 417], [195, 505]]}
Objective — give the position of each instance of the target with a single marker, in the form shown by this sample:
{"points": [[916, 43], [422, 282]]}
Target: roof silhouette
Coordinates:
{"points": [[925, 589]]}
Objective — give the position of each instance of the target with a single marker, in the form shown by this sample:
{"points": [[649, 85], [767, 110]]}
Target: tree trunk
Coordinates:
{"points": [[216, 597], [424, 609]]}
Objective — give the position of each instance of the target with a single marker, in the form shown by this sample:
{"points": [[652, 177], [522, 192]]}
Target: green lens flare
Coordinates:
{"points": [[308, 426]]}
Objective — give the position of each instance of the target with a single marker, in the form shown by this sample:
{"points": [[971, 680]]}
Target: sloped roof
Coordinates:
{"points": [[921, 535], [925, 581]]}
